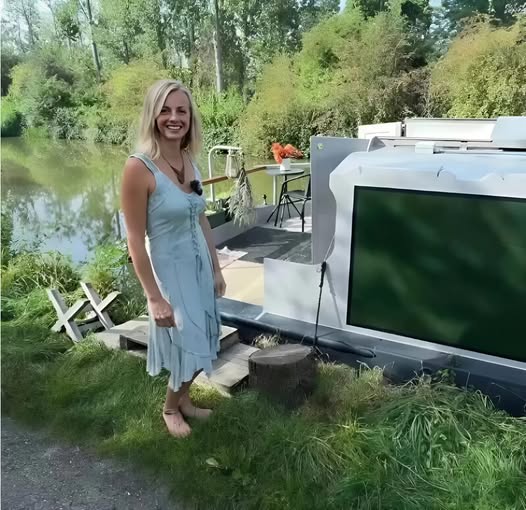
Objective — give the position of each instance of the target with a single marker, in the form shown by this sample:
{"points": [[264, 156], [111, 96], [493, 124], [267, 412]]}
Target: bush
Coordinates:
{"points": [[109, 271], [482, 74], [220, 116], [51, 90], [275, 113], [35, 307], [351, 71], [26, 272], [6, 240], [12, 118]]}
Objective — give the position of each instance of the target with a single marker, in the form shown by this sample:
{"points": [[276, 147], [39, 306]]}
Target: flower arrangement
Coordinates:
{"points": [[287, 152]]}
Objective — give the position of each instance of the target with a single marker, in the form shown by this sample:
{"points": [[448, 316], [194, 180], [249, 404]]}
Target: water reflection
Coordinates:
{"points": [[65, 195]]}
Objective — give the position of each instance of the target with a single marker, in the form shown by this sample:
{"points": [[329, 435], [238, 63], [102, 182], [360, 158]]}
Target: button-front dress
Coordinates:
{"points": [[183, 270]]}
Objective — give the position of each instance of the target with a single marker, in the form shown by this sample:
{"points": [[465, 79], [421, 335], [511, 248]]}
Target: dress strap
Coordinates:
{"points": [[147, 161]]}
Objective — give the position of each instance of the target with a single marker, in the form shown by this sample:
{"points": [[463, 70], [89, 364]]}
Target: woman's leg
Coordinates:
{"points": [[173, 418], [186, 406]]}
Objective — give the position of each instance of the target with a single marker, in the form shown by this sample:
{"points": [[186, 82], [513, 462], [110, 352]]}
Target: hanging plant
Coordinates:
{"points": [[241, 203]]}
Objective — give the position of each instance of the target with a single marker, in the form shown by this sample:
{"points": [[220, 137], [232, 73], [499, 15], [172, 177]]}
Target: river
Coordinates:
{"points": [[64, 196]]}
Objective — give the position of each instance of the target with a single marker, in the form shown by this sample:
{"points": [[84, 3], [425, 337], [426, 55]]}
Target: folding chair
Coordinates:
{"points": [[293, 197]]}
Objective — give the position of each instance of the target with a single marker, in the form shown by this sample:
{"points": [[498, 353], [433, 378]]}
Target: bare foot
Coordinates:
{"points": [[190, 411], [175, 423]]}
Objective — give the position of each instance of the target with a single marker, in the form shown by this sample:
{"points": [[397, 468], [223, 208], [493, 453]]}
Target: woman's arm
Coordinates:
{"points": [[136, 185], [220, 284]]}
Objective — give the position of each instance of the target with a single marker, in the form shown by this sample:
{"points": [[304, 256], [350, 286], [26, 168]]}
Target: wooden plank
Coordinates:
{"points": [[240, 352], [134, 338], [229, 374], [229, 337], [231, 368], [136, 331]]}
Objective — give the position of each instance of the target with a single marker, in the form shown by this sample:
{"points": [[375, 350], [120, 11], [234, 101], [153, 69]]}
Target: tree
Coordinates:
{"points": [[313, 11], [67, 23], [504, 11], [85, 6], [9, 60], [24, 13], [121, 26], [482, 74], [218, 48]]}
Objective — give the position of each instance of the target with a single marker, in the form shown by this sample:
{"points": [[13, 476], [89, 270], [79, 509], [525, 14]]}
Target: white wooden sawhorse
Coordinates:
{"points": [[93, 304]]}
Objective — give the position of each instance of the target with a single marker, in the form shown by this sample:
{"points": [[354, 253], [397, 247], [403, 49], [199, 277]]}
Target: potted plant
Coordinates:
{"points": [[283, 155]]}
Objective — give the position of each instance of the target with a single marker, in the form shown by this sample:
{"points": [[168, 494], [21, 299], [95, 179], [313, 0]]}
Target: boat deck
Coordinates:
{"points": [[241, 257]]}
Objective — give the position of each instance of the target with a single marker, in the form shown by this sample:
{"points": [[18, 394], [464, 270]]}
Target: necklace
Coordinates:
{"points": [[178, 172]]}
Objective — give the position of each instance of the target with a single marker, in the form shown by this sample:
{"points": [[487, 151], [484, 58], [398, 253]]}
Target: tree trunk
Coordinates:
{"points": [[53, 15], [218, 50], [26, 12], [126, 52], [94, 49], [286, 373]]}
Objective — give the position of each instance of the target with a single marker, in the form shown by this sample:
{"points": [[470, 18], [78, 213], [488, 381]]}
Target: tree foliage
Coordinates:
{"points": [[483, 74], [290, 68]]}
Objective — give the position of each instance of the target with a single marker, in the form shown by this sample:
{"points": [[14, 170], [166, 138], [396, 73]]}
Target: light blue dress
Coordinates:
{"points": [[184, 273]]}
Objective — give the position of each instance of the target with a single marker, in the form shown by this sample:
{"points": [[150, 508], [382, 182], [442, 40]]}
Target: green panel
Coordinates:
{"points": [[442, 267]]}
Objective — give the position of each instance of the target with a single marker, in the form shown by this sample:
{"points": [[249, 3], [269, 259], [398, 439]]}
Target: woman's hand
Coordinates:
{"points": [[219, 284], [162, 312]]}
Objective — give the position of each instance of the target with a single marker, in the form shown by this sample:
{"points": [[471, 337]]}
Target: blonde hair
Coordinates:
{"points": [[148, 139]]}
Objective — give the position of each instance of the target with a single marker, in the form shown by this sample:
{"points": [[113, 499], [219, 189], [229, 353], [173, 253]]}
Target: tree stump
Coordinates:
{"points": [[286, 373]]}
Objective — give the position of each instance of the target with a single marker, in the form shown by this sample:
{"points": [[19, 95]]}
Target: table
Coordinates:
{"points": [[275, 172]]}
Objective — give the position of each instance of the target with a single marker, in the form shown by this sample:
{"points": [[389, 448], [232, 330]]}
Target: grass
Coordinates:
{"points": [[357, 443]]}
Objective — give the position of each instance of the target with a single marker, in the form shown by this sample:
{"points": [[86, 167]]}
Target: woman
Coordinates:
{"points": [[180, 273]]}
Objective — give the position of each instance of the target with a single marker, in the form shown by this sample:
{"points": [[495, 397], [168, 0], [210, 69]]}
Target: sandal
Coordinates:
{"points": [[175, 423]]}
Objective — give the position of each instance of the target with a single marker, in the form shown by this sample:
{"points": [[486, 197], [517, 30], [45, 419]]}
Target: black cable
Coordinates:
{"points": [[359, 351], [322, 279]]}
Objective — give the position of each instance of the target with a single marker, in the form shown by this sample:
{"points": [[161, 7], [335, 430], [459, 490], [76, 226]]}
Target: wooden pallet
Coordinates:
{"points": [[230, 369], [134, 334]]}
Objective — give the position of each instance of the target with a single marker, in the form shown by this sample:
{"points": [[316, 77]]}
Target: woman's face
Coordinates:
{"points": [[173, 122]]}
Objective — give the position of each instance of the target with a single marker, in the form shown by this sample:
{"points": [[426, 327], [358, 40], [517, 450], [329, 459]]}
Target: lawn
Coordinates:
{"points": [[356, 443]]}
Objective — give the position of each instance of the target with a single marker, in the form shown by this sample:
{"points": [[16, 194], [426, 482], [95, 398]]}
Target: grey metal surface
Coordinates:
{"points": [[461, 129], [326, 154]]}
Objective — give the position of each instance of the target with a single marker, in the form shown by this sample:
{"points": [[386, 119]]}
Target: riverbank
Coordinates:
{"points": [[357, 443]]}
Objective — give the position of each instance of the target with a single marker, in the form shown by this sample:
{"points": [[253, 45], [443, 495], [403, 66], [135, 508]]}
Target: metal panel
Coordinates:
{"points": [[326, 154], [385, 129], [450, 129]]}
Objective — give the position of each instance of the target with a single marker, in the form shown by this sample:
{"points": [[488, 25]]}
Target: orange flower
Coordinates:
{"points": [[289, 151], [277, 150]]}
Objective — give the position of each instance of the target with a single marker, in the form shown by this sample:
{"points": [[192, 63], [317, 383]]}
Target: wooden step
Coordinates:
{"points": [[134, 334], [230, 369]]}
